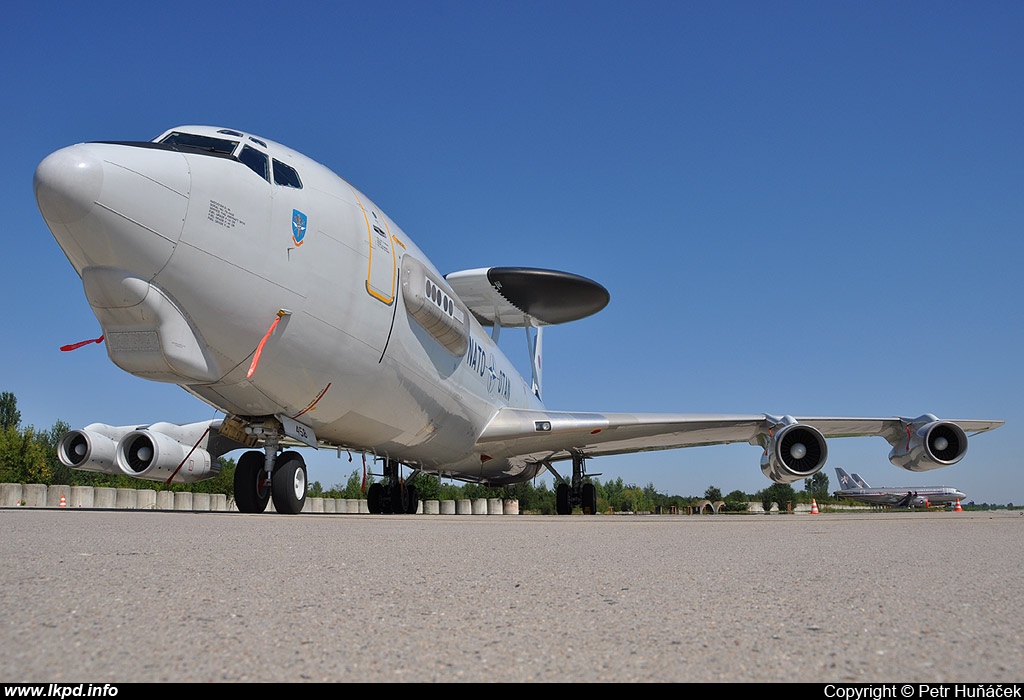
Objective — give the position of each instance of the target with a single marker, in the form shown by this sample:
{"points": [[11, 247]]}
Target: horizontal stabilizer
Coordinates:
{"points": [[523, 296]]}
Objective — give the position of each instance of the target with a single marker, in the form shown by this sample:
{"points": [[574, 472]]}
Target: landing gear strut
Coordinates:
{"points": [[393, 495], [575, 494]]}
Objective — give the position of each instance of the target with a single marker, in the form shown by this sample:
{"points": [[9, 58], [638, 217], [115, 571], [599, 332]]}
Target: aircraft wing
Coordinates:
{"points": [[547, 436]]}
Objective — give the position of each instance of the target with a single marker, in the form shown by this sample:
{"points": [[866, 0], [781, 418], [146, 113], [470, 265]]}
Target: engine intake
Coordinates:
{"points": [[929, 444], [794, 452]]}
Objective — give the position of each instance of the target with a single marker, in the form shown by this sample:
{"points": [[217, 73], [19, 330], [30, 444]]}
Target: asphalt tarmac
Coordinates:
{"points": [[151, 596]]}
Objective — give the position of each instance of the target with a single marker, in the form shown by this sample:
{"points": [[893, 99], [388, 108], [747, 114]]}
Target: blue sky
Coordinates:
{"points": [[798, 207]]}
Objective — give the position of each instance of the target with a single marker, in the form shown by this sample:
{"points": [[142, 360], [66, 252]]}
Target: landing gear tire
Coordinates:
{"points": [[375, 499], [589, 499], [252, 488], [406, 500], [289, 483], [562, 506]]}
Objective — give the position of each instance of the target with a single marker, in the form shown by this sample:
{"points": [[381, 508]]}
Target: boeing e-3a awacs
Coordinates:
{"points": [[852, 486], [264, 284]]}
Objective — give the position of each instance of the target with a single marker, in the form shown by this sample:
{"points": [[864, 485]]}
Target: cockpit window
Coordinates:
{"points": [[202, 143], [255, 160], [286, 176]]}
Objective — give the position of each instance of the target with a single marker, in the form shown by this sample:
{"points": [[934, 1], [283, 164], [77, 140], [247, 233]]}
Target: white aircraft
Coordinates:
{"points": [[853, 486], [264, 284]]}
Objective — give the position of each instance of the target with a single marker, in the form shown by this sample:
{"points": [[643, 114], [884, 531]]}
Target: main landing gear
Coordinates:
{"points": [[393, 495], [575, 494], [260, 477]]}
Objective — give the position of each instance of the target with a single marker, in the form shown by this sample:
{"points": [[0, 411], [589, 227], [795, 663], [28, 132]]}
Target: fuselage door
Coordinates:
{"points": [[382, 274]]}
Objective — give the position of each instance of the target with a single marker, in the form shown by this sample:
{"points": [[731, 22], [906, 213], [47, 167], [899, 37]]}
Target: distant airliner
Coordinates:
{"points": [[899, 496], [267, 286]]}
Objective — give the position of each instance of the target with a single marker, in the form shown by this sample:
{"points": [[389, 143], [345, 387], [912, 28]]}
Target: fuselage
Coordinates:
{"points": [[190, 247], [911, 495]]}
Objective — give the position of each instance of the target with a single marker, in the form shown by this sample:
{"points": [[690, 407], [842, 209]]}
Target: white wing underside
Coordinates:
{"points": [[547, 436]]}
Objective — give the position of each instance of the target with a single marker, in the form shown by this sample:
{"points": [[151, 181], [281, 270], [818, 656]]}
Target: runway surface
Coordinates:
{"points": [[130, 596]]}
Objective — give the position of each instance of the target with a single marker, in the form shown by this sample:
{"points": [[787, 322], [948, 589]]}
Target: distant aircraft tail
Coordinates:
{"points": [[860, 481], [845, 482]]}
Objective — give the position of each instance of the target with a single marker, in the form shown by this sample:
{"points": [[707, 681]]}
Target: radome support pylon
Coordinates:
{"points": [[814, 506]]}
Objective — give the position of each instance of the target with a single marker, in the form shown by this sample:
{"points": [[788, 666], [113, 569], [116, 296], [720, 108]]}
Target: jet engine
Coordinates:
{"points": [[929, 443], [163, 452], [154, 453], [793, 452], [93, 448]]}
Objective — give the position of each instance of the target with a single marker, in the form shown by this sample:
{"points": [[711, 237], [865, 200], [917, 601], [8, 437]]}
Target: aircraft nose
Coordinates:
{"points": [[67, 183], [116, 205]]}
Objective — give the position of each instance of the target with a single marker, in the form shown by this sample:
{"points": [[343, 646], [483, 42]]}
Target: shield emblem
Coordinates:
{"points": [[298, 226]]}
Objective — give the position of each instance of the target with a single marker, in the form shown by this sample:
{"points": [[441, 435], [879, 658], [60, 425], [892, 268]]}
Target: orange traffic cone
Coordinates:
{"points": [[63, 501], [958, 509], [814, 506]]}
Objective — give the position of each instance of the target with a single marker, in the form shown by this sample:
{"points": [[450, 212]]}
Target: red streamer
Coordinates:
{"points": [[75, 346], [259, 348]]}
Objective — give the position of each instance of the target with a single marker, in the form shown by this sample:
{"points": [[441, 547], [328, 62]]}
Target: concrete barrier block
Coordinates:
{"points": [[201, 501], [104, 497], [182, 500], [125, 499], [165, 500], [82, 497], [145, 499], [33, 495], [53, 494], [463, 506], [448, 507], [10, 495]]}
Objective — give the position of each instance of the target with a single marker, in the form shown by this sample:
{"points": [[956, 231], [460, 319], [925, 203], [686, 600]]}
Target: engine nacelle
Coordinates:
{"points": [[154, 453], [93, 448], [928, 444], [794, 452], [156, 456]]}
